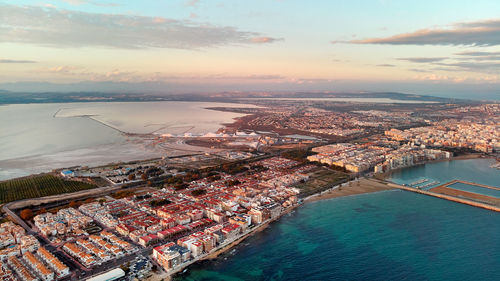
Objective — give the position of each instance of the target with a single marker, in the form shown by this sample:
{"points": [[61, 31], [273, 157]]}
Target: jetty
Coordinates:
{"points": [[429, 184], [418, 182], [470, 183], [464, 197]]}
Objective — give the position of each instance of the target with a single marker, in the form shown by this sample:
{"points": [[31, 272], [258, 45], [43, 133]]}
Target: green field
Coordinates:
{"points": [[38, 186], [320, 180]]}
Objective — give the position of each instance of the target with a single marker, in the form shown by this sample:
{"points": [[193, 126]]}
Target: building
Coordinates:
{"points": [[60, 268], [21, 270], [165, 256], [42, 271], [148, 240], [231, 231], [109, 276]]}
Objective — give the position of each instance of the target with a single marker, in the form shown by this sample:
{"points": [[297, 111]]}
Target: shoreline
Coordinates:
{"points": [[131, 147], [224, 249], [257, 229], [470, 156], [367, 185], [351, 188]]}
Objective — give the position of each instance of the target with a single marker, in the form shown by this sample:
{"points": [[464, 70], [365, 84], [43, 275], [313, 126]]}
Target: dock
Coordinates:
{"points": [[458, 196], [418, 182], [470, 183]]}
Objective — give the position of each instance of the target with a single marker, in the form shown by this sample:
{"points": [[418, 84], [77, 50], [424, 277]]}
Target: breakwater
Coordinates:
{"points": [[447, 197]]}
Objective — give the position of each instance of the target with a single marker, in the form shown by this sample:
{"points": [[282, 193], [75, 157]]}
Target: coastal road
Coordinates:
{"points": [[17, 219], [8, 207], [228, 243]]}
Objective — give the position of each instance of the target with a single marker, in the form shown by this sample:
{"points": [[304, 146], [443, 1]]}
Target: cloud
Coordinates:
{"points": [[75, 2], [485, 67], [192, 3], [16, 61], [479, 56], [264, 39], [80, 2], [478, 53], [422, 60], [436, 78], [470, 61], [66, 28], [386, 65], [479, 33], [419, 70], [158, 76], [115, 75], [133, 76], [433, 77], [62, 69], [483, 58]]}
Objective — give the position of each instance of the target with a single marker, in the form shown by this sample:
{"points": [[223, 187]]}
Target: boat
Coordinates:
{"points": [[428, 184], [418, 182]]}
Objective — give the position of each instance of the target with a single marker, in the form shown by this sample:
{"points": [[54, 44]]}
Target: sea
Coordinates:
{"points": [[37, 138], [387, 235], [472, 170]]}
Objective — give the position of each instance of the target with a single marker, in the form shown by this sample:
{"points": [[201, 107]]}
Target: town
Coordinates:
{"points": [[175, 225], [157, 217]]}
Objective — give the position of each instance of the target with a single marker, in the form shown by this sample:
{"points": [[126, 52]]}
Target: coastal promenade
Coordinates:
{"points": [[225, 246]]}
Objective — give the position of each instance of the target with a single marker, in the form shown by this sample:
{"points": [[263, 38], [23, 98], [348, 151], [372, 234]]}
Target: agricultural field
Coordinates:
{"points": [[38, 186]]}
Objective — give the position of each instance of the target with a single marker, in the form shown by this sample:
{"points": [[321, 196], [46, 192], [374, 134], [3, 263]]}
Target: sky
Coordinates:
{"points": [[425, 47]]}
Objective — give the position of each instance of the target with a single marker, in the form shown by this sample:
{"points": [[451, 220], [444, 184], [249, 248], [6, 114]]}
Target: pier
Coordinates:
{"points": [[415, 183], [468, 198], [469, 183]]}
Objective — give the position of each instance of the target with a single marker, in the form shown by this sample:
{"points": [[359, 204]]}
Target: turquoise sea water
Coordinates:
{"points": [[473, 170], [475, 189], [388, 235]]}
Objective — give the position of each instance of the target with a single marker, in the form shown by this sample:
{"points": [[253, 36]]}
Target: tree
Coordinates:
{"points": [[232, 182], [72, 204], [157, 203], [198, 192], [26, 214], [144, 177], [131, 177], [42, 211]]}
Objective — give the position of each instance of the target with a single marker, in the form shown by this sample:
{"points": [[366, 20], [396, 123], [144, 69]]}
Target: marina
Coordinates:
{"points": [[433, 183], [422, 183], [473, 182], [415, 183], [314, 237]]}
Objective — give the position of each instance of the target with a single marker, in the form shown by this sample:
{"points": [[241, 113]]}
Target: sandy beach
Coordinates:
{"points": [[352, 188]]}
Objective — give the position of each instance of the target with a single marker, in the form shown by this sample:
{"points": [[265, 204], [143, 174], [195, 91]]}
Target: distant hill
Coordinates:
{"points": [[11, 97]]}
